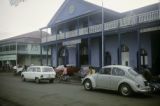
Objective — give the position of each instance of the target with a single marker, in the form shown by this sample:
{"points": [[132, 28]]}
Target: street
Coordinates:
{"points": [[18, 93]]}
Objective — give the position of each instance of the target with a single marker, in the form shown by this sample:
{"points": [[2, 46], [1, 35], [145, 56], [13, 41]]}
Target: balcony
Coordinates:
{"points": [[60, 36], [95, 28], [70, 34], [112, 25], [83, 31]]}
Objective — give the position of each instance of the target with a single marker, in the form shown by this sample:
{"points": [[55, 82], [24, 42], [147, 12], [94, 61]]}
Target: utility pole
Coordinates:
{"points": [[102, 34]]}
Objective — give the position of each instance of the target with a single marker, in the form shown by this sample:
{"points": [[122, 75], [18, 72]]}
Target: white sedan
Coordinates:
{"points": [[119, 78], [39, 73]]}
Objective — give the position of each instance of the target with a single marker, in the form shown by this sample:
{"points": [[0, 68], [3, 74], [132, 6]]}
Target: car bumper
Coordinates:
{"points": [[144, 90]]}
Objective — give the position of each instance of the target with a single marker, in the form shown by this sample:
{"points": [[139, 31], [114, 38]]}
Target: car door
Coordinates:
{"points": [[27, 73], [33, 73], [103, 78], [30, 72], [117, 76]]}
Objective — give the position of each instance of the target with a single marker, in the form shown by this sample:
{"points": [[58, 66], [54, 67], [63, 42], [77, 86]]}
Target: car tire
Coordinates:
{"points": [[37, 80], [125, 90], [51, 81], [87, 85], [23, 78]]}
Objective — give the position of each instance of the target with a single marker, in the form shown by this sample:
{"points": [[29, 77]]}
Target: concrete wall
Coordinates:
{"points": [[54, 56], [72, 55], [111, 46], [95, 53]]}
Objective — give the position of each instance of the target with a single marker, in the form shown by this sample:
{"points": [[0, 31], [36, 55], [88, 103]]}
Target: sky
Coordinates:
{"points": [[31, 15]]}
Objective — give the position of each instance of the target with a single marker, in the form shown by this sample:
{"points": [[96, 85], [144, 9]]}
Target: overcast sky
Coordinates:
{"points": [[33, 14]]}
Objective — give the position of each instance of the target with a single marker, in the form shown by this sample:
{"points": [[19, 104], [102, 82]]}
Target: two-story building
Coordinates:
{"points": [[87, 34], [23, 50]]}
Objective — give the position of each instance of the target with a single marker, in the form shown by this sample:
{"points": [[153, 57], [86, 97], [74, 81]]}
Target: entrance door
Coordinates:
{"points": [[155, 44], [107, 59], [63, 56], [125, 55]]}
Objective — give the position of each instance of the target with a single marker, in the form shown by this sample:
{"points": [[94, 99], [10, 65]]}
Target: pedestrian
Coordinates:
{"points": [[65, 72], [91, 70]]}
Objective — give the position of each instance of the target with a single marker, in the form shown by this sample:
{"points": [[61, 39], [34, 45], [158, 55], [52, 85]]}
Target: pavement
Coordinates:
{"points": [[15, 92]]}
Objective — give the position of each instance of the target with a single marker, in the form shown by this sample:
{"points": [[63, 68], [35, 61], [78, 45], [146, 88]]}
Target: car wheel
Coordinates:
{"points": [[88, 85], [23, 79], [51, 80], [37, 80], [125, 90]]}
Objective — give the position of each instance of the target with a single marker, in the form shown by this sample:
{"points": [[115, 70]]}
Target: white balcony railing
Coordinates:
{"points": [[95, 28], [127, 21], [51, 38], [60, 36], [149, 16], [83, 31], [70, 34], [112, 25]]}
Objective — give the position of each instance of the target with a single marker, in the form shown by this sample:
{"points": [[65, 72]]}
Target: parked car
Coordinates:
{"points": [[39, 73], [18, 70], [119, 78]]}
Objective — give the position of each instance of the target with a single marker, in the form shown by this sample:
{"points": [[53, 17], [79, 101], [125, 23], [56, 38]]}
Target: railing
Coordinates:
{"points": [[70, 34], [95, 28], [112, 25], [149, 16], [60, 36], [127, 21], [83, 31]]}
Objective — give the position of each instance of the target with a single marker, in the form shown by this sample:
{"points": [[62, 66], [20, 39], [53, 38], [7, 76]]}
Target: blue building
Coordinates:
{"points": [[87, 34]]}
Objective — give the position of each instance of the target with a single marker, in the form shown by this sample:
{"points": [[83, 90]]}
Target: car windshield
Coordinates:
{"points": [[47, 69], [133, 72]]}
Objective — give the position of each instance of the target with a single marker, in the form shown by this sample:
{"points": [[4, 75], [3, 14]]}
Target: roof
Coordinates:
{"points": [[78, 7], [31, 37], [144, 9], [118, 66]]}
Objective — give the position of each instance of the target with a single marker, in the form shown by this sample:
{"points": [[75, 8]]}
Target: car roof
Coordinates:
{"points": [[117, 66]]}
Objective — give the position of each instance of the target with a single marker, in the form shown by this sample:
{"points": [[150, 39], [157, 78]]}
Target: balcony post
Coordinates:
{"points": [[102, 35], [89, 51], [41, 48], [47, 56], [78, 55], [138, 50], [119, 49]]}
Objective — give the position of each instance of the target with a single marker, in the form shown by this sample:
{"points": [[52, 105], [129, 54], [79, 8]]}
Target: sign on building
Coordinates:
{"points": [[71, 42]]}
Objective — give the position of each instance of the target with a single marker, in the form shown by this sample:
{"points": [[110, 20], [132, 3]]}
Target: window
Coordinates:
{"points": [[12, 47], [132, 72], [34, 70], [30, 69], [0, 49], [47, 69], [34, 47], [118, 72], [105, 71], [22, 47], [38, 69]]}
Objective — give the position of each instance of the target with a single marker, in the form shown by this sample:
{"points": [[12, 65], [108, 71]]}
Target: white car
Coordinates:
{"points": [[119, 78], [39, 73]]}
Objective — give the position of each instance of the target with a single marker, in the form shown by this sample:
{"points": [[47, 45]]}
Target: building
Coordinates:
{"points": [[87, 34], [23, 50]]}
